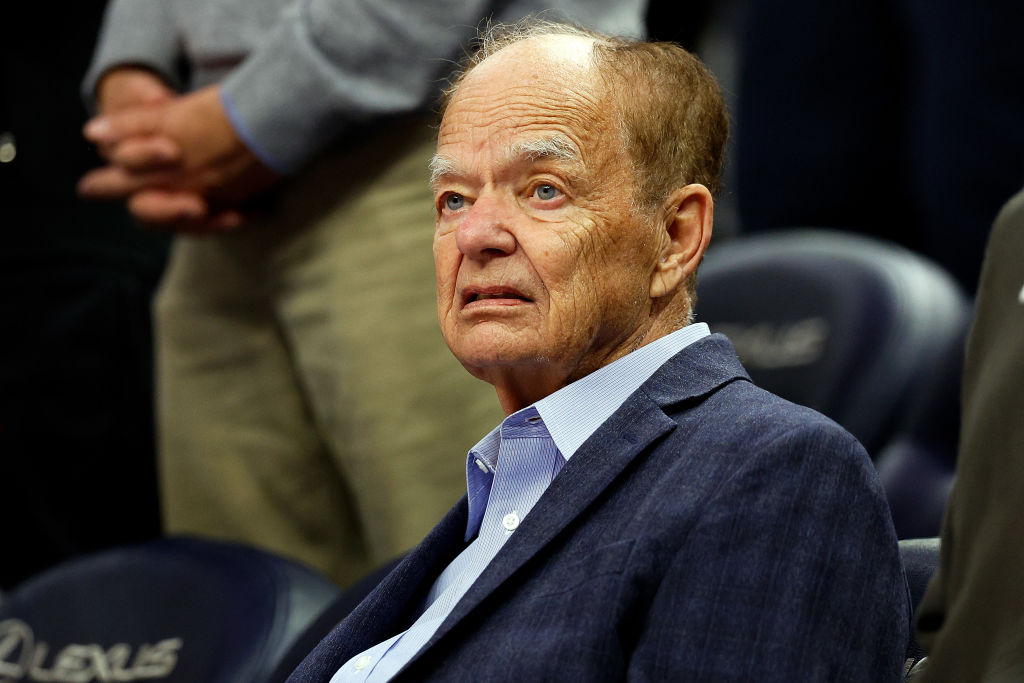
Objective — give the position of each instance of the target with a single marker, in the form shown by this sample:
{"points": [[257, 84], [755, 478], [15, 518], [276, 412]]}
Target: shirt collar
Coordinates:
{"points": [[574, 412]]}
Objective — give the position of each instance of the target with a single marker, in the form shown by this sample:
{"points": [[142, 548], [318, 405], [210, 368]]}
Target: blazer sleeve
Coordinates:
{"points": [[791, 574]]}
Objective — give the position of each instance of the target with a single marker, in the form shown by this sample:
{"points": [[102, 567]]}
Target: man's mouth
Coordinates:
{"points": [[496, 294]]}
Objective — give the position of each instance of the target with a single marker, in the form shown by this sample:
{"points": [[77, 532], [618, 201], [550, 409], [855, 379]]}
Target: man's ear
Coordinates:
{"points": [[686, 217]]}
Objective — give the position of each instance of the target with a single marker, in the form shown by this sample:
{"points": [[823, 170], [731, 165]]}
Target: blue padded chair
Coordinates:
{"points": [[849, 325], [920, 560], [177, 609], [860, 329], [330, 617], [917, 476], [918, 465]]}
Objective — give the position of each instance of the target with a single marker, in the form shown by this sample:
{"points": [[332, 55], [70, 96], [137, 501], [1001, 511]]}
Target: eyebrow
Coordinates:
{"points": [[555, 147], [442, 166]]}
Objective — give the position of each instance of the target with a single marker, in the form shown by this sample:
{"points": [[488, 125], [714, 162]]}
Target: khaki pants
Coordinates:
{"points": [[306, 401]]}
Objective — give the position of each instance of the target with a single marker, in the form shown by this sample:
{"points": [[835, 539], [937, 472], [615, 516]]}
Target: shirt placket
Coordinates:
{"points": [[527, 461]]}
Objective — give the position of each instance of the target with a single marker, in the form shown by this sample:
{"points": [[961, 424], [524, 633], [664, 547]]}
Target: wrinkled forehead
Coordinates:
{"points": [[538, 96]]}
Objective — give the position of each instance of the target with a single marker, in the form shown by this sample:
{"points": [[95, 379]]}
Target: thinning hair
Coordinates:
{"points": [[671, 113]]}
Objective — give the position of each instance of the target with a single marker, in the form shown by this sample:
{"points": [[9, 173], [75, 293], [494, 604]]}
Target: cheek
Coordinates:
{"points": [[593, 258], [574, 273], [611, 284], [446, 271]]}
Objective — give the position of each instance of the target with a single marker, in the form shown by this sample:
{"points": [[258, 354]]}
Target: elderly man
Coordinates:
{"points": [[644, 511]]}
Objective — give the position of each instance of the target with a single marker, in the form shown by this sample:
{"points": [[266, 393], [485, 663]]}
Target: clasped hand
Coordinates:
{"points": [[175, 159]]}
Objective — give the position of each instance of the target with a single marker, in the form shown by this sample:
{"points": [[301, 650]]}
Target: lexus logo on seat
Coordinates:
{"points": [[22, 658]]}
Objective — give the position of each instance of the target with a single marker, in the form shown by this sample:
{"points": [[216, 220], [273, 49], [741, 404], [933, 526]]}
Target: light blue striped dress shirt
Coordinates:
{"points": [[506, 473]]}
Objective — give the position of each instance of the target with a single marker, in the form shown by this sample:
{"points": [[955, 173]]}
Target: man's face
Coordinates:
{"points": [[543, 266]]}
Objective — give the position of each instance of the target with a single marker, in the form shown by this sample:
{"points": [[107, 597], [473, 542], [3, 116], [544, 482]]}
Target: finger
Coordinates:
{"points": [[225, 221], [222, 222], [114, 182], [163, 209], [182, 212], [134, 99], [145, 154], [112, 128], [127, 86]]}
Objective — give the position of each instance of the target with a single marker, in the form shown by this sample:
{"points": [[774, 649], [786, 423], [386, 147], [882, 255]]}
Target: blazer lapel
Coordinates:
{"points": [[698, 370], [389, 608], [694, 372]]}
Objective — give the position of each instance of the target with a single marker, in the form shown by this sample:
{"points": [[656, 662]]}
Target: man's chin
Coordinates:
{"points": [[490, 343], [492, 364]]}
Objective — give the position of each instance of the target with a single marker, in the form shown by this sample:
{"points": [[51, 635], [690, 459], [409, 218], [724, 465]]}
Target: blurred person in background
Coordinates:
{"points": [[971, 620]]}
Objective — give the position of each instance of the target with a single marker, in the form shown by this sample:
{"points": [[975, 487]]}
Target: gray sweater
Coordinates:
{"points": [[297, 74]]}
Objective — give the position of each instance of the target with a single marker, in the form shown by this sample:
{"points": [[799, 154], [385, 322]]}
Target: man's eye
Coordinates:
{"points": [[546, 192], [454, 202]]}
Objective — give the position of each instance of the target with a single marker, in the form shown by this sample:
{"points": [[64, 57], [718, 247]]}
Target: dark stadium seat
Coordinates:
{"points": [[179, 609], [851, 326]]}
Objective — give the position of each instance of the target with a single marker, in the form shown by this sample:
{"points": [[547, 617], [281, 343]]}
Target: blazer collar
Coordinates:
{"points": [[696, 371]]}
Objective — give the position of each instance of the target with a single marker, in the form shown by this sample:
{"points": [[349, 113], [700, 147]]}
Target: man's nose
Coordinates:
{"points": [[486, 229]]}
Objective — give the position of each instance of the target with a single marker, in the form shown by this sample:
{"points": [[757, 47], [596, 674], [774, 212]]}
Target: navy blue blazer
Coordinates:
{"points": [[709, 530]]}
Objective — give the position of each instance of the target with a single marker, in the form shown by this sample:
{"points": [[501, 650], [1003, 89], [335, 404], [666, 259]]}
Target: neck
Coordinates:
{"points": [[523, 385]]}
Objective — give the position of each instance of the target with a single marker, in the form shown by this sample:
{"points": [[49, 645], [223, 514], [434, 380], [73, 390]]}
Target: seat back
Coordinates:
{"points": [[851, 326], [918, 465], [178, 609], [917, 477], [330, 617]]}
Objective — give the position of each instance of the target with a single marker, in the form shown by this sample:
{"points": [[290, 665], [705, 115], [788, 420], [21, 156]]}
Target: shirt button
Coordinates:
{"points": [[362, 662], [511, 521], [481, 465]]}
